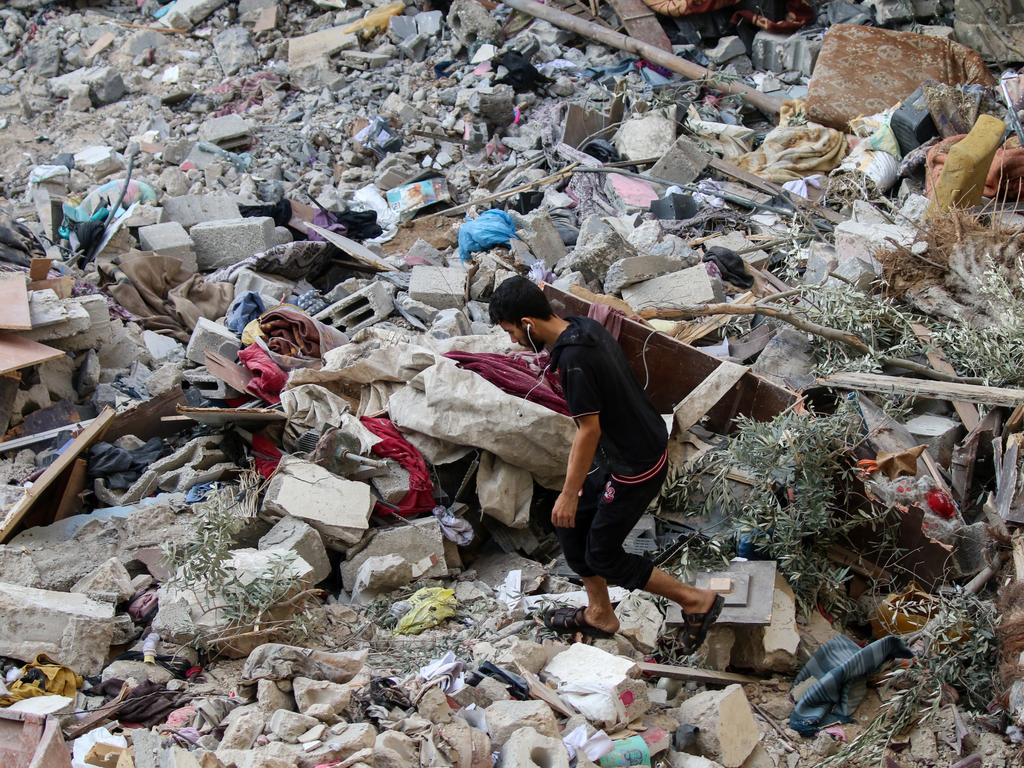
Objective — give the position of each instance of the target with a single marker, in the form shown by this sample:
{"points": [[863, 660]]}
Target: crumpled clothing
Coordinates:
{"points": [[792, 151], [1005, 179], [609, 317], [121, 467], [162, 294], [41, 677], [520, 73], [852, 77], [240, 93], [490, 228], [519, 374], [731, 267], [454, 528], [355, 225], [301, 259], [392, 445], [292, 333], [841, 669], [268, 380], [147, 704], [280, 212], [312, 302]]}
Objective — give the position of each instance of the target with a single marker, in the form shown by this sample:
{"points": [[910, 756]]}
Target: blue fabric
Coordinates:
{"points": [[490, 228], [841, 668], [245, 308]]}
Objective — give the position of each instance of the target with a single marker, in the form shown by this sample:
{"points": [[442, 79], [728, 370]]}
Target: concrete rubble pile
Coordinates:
{"points": [[277, 493]]}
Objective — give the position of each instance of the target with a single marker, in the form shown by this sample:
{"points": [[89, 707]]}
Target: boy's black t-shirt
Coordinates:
{"points": [[597, 379]]}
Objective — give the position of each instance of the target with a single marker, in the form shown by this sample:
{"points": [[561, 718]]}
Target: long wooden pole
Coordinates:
{"points": [[651, 53]]}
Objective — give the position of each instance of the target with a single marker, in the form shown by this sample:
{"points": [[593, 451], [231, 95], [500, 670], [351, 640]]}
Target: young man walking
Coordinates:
{"points": [[617, 464]]}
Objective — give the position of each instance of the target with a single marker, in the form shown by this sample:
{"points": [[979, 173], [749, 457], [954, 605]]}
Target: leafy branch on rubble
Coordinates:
{"points": [[956, 651], [994, 352], [202, 567], [798, 503]]}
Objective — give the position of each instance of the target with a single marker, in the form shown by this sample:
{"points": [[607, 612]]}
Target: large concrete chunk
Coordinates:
{"points": [[412, 543], [70, 628], [185, 14], [603, 687], [637, 269], [338, 508], [506, 717], [683, 162], [229, 241], [213, 337], [526, 748], [728, 732], [679, 289], [440, 287], [317, 47], [169, 239], [301, 538]]}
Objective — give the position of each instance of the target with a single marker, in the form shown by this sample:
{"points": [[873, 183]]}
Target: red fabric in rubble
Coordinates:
{"points": [[523, 375], [268, 378], [265, 454], [420, 497]]}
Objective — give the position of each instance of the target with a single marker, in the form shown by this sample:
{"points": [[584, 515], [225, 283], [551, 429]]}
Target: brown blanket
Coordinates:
{"points": [[163, 295]]}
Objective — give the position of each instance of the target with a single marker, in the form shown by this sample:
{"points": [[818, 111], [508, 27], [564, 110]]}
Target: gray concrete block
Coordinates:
{"points": [[169, 239], [679, 289], [226, 131], [214, 337], [440, 287], [189, 210], [277, 288], [636, 269], [209, 386], [225, 242], [683, 162], [299, 537]]}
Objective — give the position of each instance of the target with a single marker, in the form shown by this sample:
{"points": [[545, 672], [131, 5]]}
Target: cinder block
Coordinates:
{"points": [[683, 162], [214, 337], [229, 241], [440, 287], [189, 210], [209, 386], [361, 309], [169, 239]]}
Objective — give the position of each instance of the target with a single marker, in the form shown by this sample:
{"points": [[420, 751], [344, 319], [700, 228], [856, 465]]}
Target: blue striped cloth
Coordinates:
{"points": [[841, 668]]}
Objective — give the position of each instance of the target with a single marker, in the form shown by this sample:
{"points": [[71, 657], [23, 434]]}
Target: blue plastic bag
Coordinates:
{"points": [[490, 228]]}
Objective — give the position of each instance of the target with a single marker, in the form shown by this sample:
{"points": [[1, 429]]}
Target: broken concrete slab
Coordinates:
{"points": [[189, 210], [294, 535], [316, 48], [637, 269], [185, 14], [728, 732], [679, 289], [439, 287], [72, 629], [506, 717], [109, 579], [338, 508], [169, 239], [414, 543], [603, 687], [682, 163], [229, 131]]}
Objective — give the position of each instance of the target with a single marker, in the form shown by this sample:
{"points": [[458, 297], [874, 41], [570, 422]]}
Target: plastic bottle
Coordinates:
{"points": [[150, 648]]}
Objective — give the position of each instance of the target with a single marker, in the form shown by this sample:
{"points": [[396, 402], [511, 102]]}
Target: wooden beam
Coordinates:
{"points": [[706, 395], [934, 390], [706, 676]]}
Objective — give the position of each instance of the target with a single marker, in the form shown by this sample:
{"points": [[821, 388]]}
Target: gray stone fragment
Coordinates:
{"points": [[229, 241], [683, 162], [234, 50], [636, 269], [440, 287], [680, 289], [296, 536]]}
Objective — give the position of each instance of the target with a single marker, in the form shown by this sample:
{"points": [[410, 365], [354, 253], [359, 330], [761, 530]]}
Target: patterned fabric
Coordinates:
{"points": [[866, 70], [841, 668], [687, 7]]}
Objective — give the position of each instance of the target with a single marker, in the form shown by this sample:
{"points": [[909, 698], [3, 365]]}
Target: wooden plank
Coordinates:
{"points": [[967, 412], [39, 269], [71, 498], [541, 692], [235, 376], [706, 676], [706, 395], [357, 251], [14, 314], [935, 390], [641, 22], [17, 352], [54, 472]]}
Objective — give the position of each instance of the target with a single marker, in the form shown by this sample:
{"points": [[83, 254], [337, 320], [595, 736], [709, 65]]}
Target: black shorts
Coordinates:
{"points": [[609, 508]]}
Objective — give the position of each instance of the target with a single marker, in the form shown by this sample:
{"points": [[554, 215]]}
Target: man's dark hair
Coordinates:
{"points": [[517, 298]]}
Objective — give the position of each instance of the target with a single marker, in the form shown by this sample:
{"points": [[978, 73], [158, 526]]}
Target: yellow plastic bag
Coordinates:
{"points": [[430, 606]]}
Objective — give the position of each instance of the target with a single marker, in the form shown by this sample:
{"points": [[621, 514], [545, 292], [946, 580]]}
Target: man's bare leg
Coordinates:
{"points": [[599, 612], [691, 599]]}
